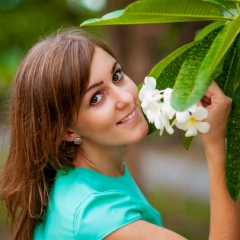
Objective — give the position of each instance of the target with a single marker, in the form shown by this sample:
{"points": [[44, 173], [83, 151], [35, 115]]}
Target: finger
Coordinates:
{"points": [[214, 89]]}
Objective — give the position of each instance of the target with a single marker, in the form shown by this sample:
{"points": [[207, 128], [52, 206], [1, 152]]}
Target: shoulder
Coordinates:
{"points": [[105, 212]]}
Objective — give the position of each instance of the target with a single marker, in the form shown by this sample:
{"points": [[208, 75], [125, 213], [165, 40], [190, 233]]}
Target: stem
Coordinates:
{"points": [[173, 123], [238, 9]]}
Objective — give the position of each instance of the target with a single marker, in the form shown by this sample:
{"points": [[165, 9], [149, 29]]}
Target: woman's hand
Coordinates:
{"points": [[218, 106], [225, 213]]}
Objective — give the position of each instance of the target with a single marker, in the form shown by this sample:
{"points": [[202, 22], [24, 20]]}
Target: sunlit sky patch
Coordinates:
{"points": [[92, 5]]}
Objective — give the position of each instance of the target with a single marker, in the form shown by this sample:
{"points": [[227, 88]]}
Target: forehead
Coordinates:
{"points": [[102, 62]]}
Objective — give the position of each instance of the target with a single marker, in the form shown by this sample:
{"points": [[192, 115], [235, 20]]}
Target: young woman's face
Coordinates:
{"points": [[110, 113]]}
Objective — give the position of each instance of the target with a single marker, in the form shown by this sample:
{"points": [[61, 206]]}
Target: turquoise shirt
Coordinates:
{"points": [[85, 204]]}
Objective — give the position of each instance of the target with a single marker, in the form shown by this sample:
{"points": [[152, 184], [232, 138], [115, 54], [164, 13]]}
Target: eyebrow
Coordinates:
{"points": [[114, 67], [94, 85], [100, 83]]}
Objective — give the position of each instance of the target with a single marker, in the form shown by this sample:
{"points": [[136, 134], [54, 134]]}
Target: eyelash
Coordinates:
{"points": [[116, 73], [94, 96]]}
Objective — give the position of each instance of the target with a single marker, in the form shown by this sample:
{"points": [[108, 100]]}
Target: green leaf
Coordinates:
{"points": [[229, 76], [237, 78], [166, 71], [197, 84], [184, 91], [232, 168], [209, 28], [221, 3], [187, 142], [160, 11], [232, 4]]}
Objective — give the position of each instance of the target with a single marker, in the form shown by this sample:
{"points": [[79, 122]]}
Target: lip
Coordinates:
{"points": [[133, 119]]}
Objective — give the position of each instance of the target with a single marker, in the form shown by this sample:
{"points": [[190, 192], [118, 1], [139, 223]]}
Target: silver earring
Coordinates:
{"points": [[77, 141]]}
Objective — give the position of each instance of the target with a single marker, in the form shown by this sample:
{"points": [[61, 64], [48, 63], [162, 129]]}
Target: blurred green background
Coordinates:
{"points": [[139, 48]]}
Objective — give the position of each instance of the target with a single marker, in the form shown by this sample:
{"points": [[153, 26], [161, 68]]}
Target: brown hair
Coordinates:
{"points": [[46, 93]]}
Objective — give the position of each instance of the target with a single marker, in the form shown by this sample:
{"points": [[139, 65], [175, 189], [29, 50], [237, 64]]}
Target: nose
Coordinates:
{"points": [[123, 98]]}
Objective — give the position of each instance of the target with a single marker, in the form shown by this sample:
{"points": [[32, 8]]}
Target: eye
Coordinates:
{"points": [[117, 76], [97, 98]]}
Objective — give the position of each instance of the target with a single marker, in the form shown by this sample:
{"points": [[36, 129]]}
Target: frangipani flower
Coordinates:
{"points": [[167, 125], [194, 124], [153, 106], [149, 96], [171, 112], [157, 107]]}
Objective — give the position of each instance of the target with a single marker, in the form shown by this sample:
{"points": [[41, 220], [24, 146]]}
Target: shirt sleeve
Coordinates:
{"points": [[102, 213]]}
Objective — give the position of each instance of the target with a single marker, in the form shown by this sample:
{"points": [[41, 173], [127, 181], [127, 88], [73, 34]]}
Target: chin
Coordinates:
{"points": [[142, 132]]}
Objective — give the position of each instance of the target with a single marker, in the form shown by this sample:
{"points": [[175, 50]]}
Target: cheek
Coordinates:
{"points": [[132, 88], [98, 119]]}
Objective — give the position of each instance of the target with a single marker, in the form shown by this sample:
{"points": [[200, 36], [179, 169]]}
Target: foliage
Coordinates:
{"points": [[213, 55], [21, 24]]}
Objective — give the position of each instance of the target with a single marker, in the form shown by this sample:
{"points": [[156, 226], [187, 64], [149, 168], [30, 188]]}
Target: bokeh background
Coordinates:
{"points": [[174, 180]]}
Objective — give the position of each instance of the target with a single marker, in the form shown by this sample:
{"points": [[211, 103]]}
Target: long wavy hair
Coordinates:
{"points": [[46, 93]]}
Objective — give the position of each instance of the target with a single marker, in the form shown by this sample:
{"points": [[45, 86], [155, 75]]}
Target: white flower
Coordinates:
{"points": [[193, 123], [158, 110], [152, 105], [166, 123], [170, 111], [150, 101], [167, 107], [149, 96]]}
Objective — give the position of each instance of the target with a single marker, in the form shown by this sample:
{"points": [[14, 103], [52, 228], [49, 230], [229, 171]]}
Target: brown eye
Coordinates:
{"points": [[117, 76], [96, 98]]}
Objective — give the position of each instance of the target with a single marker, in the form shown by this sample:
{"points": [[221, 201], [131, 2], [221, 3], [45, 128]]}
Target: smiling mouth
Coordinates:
{"points": [[129, 117]]}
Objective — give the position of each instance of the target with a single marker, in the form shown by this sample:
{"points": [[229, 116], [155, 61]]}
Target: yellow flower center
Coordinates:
{"points": [[192, 121]]}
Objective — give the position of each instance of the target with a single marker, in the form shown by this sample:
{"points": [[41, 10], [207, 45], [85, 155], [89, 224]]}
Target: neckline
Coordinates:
{"points": [[91, 171]]}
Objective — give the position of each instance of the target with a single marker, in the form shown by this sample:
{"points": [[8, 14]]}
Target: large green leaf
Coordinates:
{"points": [[232, 4], [209, 28], [237, 78], [194, 80], [222, 3], [232, 169], [186, 80], [160, 11], [227, 81], [166, 71], [229, 77]]}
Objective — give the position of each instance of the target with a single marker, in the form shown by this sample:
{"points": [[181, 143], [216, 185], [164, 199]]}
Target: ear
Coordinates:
{"points": [[70, 135]]}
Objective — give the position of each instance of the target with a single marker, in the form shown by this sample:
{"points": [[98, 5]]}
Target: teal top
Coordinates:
{"points": [[85, 204]]}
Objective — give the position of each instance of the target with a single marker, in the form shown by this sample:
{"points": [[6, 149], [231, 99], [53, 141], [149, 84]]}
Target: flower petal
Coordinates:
{"points": [[157, 122], [182, 116], [168, 110], [150, 82], [161, 132], [142, 93], [144, 103], [169, 129], [182, 126], [193, 108], [203, 127], [200, 114], [167, 95], [192, 131]]}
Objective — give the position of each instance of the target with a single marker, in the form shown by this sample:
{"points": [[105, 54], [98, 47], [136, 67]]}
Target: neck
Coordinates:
{"points": [[104, 159]]}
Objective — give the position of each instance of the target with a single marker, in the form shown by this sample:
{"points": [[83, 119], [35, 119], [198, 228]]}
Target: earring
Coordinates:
{"points": [[77, 141]]}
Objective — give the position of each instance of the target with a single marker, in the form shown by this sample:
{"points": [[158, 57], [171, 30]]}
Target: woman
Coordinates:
{"points": [[73, 113]]}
